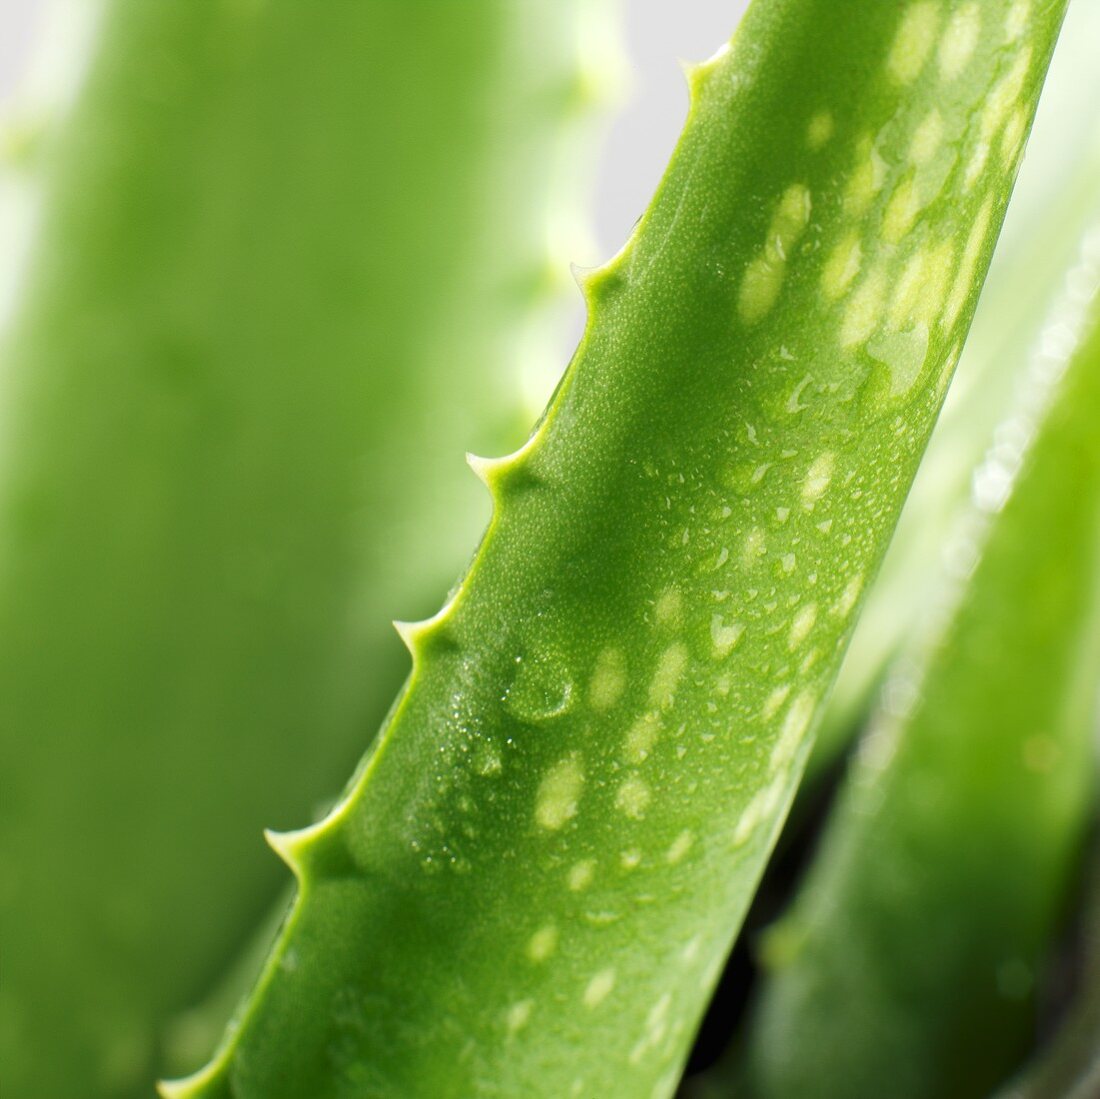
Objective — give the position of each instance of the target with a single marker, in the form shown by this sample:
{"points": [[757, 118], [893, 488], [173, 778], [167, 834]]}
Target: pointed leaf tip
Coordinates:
{"points": [[483, 470], [289, 847], [585, 278], [594, 281], [512, 471], [697, 72], [581, 274], [417, 635], [207, 1081], [410, 633], [689, 68]]}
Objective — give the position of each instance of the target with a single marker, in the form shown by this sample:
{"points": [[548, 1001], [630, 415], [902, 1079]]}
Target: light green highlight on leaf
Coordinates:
{"points": [[655, 465], [942, 875], [959, 40], [764, 278], [916, 36], [559, 793]]}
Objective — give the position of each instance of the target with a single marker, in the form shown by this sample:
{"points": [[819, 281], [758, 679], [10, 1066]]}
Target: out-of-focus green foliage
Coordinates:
{"points": [[538, 869], [907, 964], [1069, 1067], [275, 292]]}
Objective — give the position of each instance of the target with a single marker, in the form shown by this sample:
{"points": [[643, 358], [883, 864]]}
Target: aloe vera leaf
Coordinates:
{"points": [[187, 1040], [38, 94], [906, 962], [538, 869], [1069, 1067], [1051, 205], [250, 302]]}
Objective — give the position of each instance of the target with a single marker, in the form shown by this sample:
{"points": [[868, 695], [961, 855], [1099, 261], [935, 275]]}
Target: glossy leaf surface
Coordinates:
{"points": [[908, 961], [1052, 205], [537, 872]]}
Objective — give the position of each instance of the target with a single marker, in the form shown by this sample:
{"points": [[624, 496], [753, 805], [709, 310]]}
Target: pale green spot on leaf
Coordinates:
{"points": [[633, 797], [608, 679], [959, 40], [863, 311], [820, 129], [560, 792], [916, 35], [841, 267], [599, 988], [543, 943], [764, 276]]}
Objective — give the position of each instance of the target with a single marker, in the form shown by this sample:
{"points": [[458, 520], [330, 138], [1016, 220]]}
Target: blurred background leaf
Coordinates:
{"points": [[287, 261]]}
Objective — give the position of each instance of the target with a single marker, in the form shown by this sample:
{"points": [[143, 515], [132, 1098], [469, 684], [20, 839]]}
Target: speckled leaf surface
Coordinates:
{"points": [[536, 875], [1052, 203], [264, 231], [908, 963]]}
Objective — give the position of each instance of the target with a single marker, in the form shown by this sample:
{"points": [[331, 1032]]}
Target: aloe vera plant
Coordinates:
{"points": [[251, 300], [567, 811], [906, 964], [1069, 1067], [1051, 206]]}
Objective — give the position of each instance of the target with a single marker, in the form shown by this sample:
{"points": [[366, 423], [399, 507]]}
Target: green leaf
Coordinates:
{"points": [[537, 872], [907, 964], [1052, 204], [277, 289], [1069, 1066]]}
